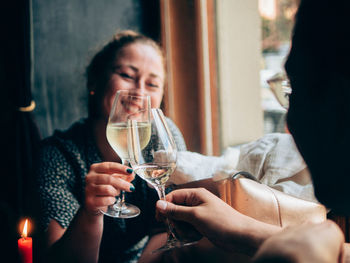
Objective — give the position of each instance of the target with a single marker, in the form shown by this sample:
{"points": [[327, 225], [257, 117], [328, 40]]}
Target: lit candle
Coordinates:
{"points": [[25, 246]]}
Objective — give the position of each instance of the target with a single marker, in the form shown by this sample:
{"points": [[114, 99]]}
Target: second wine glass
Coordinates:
{"points": [[155, 162], [127, 105]]}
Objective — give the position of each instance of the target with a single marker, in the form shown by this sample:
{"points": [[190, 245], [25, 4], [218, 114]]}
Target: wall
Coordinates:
{"points": [[238, 42], [66, 35]]}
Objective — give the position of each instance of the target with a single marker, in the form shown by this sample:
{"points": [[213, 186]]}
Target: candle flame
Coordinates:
{"points": [[25, 233]]}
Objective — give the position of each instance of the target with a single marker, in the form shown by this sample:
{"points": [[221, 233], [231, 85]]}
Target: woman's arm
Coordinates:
{"points": [[156, 241], [80, 242], [216, 220]]}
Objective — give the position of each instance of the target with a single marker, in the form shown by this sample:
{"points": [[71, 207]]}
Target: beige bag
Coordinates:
{"points": [[249, 197]]}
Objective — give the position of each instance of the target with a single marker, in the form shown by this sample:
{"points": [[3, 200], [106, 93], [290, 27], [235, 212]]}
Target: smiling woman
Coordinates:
{"points": [[80, 174]]}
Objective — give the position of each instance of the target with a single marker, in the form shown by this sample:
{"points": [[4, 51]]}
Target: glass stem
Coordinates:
{"points": [[121, 198], [161, 193]]}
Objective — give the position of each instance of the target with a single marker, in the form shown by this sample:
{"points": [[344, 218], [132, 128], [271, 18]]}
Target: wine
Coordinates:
{"points": [[155, 174], [117, 136]]}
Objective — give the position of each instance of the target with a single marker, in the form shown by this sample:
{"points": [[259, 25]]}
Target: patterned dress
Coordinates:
{"points": [[64, 161]]}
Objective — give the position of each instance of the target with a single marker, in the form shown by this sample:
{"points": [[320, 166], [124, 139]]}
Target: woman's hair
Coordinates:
{"points": [[99, 69]]}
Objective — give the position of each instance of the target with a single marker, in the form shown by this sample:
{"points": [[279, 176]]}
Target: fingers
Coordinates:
{"points": [[183, 204], [182, 218], [176, 212], [121, 184], [105, 190], [111, 168], [113, 180], [105, 181], [189, 196], [110, 173]]}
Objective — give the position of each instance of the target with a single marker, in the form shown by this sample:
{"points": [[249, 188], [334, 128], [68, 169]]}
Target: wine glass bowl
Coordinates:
{"points": [[155, 162], [127, 105]]}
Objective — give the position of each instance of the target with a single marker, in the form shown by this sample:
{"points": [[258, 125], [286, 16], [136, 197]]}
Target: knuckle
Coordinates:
{"points": [[109, 166], [119, 183], [202, 190], [93, 166], [110, 190], [109, 179], [111, 200]]}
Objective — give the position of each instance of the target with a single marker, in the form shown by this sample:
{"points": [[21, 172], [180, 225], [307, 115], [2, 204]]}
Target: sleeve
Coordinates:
{"points": [[55, 185], [179, 139]]}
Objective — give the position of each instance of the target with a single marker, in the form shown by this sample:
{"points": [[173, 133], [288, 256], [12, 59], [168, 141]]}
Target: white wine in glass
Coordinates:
{"points": [[127, 105], [155, 162], [117, 137]]}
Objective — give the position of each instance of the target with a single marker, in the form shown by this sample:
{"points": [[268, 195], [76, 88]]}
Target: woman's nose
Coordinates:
{"points": [[140, 87]]}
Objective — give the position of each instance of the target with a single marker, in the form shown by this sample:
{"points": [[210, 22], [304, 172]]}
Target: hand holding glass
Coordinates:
{"points": [[155, 162], [127, 105]]}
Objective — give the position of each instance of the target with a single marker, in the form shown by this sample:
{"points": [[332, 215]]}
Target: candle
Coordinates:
{"points": [[25, 246]]}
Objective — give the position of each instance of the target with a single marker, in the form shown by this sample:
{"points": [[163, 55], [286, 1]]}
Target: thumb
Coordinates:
{"points": [[172, 211]]}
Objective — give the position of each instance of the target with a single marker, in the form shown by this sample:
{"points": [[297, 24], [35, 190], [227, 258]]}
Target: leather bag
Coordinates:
{"points": [[249, 197]]}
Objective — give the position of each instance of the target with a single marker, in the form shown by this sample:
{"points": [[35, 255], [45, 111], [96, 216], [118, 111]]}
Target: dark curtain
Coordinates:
{"points": [[20, 136]]}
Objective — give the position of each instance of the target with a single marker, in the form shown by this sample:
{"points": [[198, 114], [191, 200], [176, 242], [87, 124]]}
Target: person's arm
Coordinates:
{"points": [[216, 220], [80, 242], [321, 243], [156, 241]]}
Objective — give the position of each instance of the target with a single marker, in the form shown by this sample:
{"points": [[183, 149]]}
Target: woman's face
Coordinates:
{"points": [[139, 67]]}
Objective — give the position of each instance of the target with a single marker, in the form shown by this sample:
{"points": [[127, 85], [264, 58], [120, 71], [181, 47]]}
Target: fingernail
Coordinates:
{"points": [[162, 205], [129, 170], [132, 188]]}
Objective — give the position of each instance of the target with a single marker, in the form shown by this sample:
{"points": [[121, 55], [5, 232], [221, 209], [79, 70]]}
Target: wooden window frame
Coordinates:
{"points": [[191, 97]]}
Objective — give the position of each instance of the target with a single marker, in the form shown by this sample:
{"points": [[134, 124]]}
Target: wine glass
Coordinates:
{"points": [[155, 162], [127, 105], [280, 87]]}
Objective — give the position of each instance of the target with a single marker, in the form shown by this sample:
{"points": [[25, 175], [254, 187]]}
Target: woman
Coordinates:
{"points": [[76, 166]]}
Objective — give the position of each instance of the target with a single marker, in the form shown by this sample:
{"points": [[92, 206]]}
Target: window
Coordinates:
{"points": [[276, 26]]}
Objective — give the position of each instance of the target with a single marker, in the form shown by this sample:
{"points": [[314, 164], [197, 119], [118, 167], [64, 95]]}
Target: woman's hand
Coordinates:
{"points": [[214, 219], [208, 214], [105, 181], [322, 243]]}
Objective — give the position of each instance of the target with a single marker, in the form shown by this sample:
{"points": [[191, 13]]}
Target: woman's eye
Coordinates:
{"points": [[125, 75], [153, 85]]}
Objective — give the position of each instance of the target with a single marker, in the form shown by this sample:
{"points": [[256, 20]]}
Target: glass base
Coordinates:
{"points": [[127, 211], [173, 243]]}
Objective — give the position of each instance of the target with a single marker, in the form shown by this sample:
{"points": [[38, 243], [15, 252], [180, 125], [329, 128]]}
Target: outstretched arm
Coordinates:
{"points": [[213, 218]]}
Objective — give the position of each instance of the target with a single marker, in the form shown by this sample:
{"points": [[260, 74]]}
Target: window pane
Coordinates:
{"points": [[277, 19]]}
